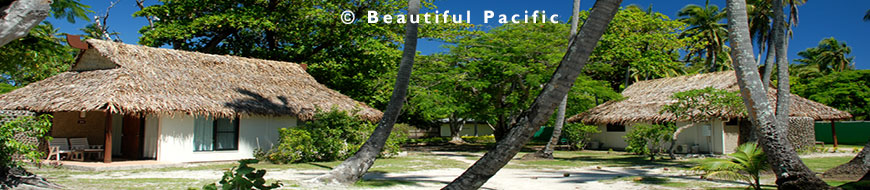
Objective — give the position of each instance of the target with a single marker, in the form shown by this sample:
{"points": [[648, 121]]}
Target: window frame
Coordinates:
{"points": [[608, 127], [214, 135]]}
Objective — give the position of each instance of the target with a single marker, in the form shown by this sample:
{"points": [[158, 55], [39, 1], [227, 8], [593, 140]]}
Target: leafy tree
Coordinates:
{"points": [[848, 91], [436, 93], [638, 45], [539, 112], [830, 55], [746, 164], [351, 58], [13, 151], [37, 56], [705, 22], [646, 139]]}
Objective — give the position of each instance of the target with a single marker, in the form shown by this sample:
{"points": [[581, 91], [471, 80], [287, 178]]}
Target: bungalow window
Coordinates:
{"points": [[615, 128], [215, 134]]}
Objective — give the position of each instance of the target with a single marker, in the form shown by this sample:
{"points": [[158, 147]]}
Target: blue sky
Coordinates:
{"points": [[818, 20]]}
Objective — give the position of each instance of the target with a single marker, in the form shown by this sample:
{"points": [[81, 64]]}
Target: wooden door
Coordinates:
{"points": [[131, 139]]}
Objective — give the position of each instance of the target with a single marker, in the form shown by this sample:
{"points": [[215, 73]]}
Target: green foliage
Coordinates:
{"points": [[6, 87], [578, 134], [646, 139], [848, 91], [705, 104], [830, 55], [333, 135], [243, 177], [644, 44], [354, 59], [37, 56], [746, 164], [28, 126], [71, 10]]}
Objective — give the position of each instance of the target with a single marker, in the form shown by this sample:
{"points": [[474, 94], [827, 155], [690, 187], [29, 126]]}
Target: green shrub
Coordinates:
{"points": [[33, 127], [578, 134], [333, 135], [746, 164], [243, 177], [646, 139], [478, 139]]}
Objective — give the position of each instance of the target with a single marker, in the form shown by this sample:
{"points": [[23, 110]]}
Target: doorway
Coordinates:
{"points": [[132, 137]]}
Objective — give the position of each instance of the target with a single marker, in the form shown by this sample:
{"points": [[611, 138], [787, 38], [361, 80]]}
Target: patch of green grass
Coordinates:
{"points": [[836, 182], [822, 164], [415, 162], [139, 183], [569, 159], [650, 180], [383, 183]]}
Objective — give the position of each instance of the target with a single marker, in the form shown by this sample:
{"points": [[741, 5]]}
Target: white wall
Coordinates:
{"points": [[689, 136], [468, 129], [176, 138], [149, 148]]}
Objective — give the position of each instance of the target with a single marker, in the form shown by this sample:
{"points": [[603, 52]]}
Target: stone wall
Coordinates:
{"points": [[801, 132]]}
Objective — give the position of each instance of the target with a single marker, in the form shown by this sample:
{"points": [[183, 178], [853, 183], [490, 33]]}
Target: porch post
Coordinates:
{"points": [[107, 149], [834, 132]]}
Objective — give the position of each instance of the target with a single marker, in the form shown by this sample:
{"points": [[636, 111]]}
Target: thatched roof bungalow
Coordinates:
{"points": [[644, 100], [183, 106]]}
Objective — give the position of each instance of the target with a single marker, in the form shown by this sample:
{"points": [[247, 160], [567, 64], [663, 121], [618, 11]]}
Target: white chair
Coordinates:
{"points": [[56, 147], [80, 146]]}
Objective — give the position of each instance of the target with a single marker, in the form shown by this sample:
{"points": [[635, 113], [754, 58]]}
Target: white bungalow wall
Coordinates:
{"points": [[718, 140], [469, 129], [176, 138]]}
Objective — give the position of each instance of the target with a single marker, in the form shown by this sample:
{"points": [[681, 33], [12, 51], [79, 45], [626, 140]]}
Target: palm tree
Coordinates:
{"points": [[704, 22], [548, 150], [867, 16], [20, 16], [790, 171], [352, 169], [760, 20], [830, 55], [540, 111], [748, 159]]}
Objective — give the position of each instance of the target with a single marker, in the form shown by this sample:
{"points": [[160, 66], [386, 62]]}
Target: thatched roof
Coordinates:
{"points": [[123, 78], [645, 99]]}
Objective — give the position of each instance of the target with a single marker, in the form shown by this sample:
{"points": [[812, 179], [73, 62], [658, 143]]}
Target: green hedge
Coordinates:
{"points": [[848, 132]]}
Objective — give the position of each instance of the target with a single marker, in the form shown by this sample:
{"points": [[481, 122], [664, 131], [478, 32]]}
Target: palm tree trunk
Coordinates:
{"points": [[854, 168], [560, 114], [769, 61], [542, 108], [790, 172], [21, 16], [356, 166]]}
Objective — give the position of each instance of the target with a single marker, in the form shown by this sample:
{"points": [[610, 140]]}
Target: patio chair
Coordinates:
{"points": [[56, 147], [80, 146]]}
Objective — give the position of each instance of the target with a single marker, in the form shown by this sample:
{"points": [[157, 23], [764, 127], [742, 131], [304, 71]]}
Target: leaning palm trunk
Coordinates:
{"points": [[20, 16], [768, 62], [790, 172], [544, 105], [548, 150], [352, 169]]}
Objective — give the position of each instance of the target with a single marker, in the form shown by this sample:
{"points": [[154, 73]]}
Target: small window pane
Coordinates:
{"points": [[203, 134], [225, 125], [615, 128], [226, 141]]}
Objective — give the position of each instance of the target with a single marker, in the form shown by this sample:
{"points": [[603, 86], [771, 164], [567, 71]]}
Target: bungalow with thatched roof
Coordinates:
{"points": [[644, 101], [177, 106]]}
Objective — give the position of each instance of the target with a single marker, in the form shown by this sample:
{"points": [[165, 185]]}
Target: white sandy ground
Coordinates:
{"points": [[580, 178]]}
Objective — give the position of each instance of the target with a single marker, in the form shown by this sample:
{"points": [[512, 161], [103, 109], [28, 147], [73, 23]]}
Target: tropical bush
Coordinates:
{"points": [[333, 135], [746, 164], [29, 126], [647, 139], [243, 177], [578, 134]]}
